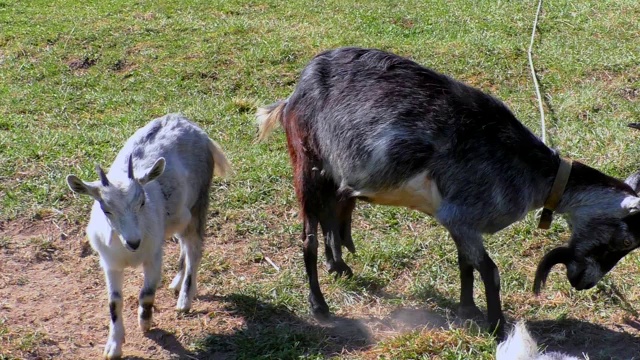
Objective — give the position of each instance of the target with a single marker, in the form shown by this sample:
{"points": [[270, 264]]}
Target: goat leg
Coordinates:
{"points": [[345, 211], [333, 249], [491, 278], [319, 306], [467, 308], [152, 272], [113, 347], [176, 284], [472, 255], [191, 242]]}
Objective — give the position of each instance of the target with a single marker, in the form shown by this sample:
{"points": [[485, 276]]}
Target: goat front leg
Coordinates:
{"points": [[467, 308], [472, 255], [491, 278], [152, 272], [113, 348]]}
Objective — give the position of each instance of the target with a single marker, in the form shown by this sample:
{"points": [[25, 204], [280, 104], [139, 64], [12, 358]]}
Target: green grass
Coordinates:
{"points": [[76, 79]]}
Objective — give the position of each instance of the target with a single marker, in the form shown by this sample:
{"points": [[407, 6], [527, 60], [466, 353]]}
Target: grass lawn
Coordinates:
{"points": [[77, 79]]}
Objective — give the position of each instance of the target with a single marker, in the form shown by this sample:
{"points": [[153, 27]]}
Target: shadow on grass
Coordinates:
{"points": [[274, 332], [571, 336]]}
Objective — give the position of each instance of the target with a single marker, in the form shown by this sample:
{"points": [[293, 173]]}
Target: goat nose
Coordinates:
{"points": [[134, 245]]}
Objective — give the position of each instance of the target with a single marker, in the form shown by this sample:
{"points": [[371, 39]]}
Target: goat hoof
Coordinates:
{"points": [[341, 269], [145, 324], [320, 310], [113, 350], [183, 309], [470, 312], [184, 303]]}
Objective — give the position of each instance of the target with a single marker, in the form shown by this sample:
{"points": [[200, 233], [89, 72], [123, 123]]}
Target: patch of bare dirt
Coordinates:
{"points": [[123, 66], [78, 64], [622, 81], [60, 301], [55, 305]]}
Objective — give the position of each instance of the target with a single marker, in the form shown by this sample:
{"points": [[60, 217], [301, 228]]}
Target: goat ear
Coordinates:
{"points": [[631, 204], [80, 187], [634, 181], [156, 170]]}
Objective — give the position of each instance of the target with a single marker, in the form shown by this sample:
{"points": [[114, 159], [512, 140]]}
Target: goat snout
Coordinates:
{"points": [[132, 245], [583, 276]]}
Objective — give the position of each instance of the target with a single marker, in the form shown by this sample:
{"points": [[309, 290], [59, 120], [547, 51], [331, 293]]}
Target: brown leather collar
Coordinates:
{"points": [[557, 189]]}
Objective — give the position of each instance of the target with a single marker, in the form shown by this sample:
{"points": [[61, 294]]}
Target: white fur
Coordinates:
{"points": [[521, 346], [419, 193], [144, 211]]}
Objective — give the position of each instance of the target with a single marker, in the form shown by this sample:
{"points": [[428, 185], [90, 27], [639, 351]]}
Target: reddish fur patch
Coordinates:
{"points": [[299, 148], [290, 129]]}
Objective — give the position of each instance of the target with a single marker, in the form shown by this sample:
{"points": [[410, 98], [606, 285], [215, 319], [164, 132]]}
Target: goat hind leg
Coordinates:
{"points": [[345, 211], [192, 243], [319, 306], [333, 248], [176, 284]]}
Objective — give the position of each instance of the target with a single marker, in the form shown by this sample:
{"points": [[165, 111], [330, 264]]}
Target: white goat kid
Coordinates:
{"points": [[157, 187]]}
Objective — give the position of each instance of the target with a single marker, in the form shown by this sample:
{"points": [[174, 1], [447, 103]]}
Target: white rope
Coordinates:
{"points": [[535, 80]]}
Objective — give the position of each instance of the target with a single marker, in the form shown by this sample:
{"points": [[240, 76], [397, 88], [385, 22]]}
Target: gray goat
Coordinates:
{"points": [[366, 124], [158, 186]]}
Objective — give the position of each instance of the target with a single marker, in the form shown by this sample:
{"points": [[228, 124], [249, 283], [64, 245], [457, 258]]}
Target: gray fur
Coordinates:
{"points": [[634, 181], [371, 121]]}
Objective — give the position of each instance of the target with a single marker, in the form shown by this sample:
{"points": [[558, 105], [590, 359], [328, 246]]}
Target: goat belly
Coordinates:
{"points": [[418, 193]]}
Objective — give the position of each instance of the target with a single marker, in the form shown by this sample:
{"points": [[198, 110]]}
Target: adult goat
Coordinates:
{"points": [[157, 186], [370, 125]]}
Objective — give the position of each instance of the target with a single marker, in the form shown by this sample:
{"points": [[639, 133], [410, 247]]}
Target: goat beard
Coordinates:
{"points": [[559, 255]]}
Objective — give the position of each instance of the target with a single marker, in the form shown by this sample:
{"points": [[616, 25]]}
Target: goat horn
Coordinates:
{"points": [[634, 125], [130, 168], [103, 177], [559, 255]]}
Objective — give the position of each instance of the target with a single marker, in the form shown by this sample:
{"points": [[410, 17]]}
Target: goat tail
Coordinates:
{"points": [[268, 118], [221, 167], [518, 346]]}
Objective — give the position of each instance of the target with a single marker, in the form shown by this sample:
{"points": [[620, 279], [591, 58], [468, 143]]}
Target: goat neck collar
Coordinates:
{"points": [[557, 189]]}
